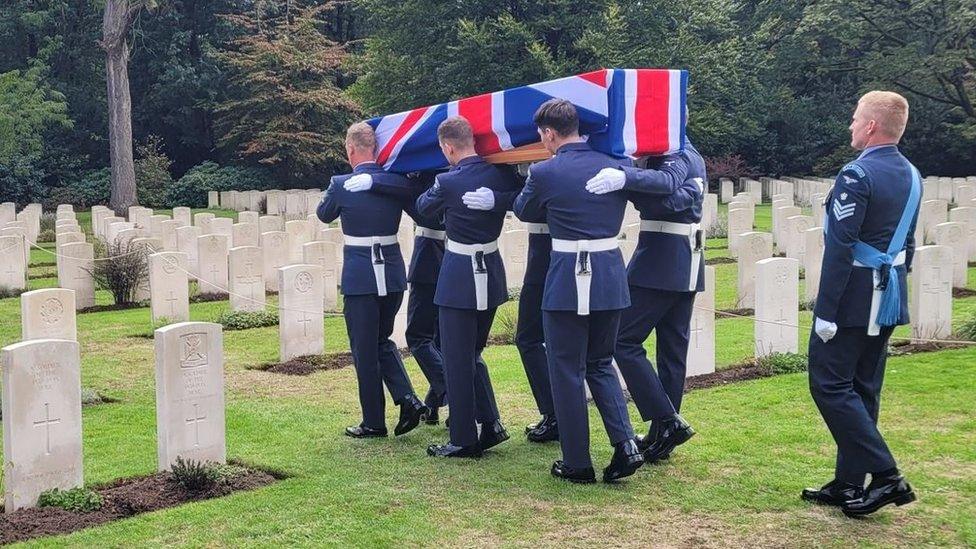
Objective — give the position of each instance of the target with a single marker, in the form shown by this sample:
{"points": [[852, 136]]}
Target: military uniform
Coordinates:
{"points": [[470, 286], [373, 282], [585, 291], [868, 247], [665, 273]]}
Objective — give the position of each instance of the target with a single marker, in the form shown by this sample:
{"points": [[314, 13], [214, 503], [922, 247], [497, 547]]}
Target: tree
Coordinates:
{"points": [[285, 109], [117, 22]]}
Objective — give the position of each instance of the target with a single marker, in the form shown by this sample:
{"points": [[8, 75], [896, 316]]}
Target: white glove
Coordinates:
{"points": [[481, 199], [607, 181], [826, 330], [358, 183]]}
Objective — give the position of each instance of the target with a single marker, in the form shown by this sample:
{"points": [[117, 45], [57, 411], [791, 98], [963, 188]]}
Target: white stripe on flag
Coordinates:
{"points": [[387, 127], [452, 109], [396, 149], [498, 120], [578, 91], [630, 112], [674, 111]]}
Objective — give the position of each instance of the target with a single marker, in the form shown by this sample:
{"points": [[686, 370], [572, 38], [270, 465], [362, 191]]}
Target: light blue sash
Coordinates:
{"points": [[889, 310]]}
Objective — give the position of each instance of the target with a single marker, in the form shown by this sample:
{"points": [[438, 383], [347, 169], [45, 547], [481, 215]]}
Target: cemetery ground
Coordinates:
{"points": [[736, 483]]}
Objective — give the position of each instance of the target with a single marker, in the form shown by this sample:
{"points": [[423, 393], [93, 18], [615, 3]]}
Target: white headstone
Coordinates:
{"points": [[190, 393], [48, 314], [274, 247], [13, 264], [753, 247], [323, 254], [246, 279], [183, 216], [740, 221], [931, 292], [701, 343], [169, 287], [42, 447], [812, 261], [300, 325], [515, 249], [777, 315], [213, 199], [75, 267], [269, 223], [954, 235], [709, 213], [212, 252], [726, 190], [245, 234], [249, 217], [186, 242], [930, 214], [297, 232], [203, 220], [967, 215], [795, 244]]}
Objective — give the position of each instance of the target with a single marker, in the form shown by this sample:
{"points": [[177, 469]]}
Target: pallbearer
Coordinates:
{"points": [[667, 269], [470, 287], [373, 282], [585, 291], [868, 247]]}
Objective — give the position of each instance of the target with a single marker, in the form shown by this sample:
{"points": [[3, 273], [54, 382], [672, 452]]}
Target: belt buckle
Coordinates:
{"points": [[378, 254], [479, 261], [583, 264]]}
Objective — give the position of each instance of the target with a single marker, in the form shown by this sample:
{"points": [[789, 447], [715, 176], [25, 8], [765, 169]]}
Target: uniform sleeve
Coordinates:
{"points": [[328, 209], [505, 198], [528, 204], [419, 184], [394, 185], [431, 202], [845, 213], [686, 196], [662, 181]]}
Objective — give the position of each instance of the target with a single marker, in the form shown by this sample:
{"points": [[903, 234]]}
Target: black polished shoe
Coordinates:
{"points": [[365, 432], [431, 417], [673, 432], [882, 491], [627, 458], [834, 493], [411, 410], [454, 451], [579, 476], [492, 435], [545, 431]]}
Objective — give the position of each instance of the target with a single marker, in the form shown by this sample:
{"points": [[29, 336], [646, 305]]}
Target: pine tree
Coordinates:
{"points": [[286, 110]]}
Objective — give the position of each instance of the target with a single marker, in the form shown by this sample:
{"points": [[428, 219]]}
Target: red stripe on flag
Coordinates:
{"points": [[408, 122], [597, 77], [651, 110], [477, 111]]}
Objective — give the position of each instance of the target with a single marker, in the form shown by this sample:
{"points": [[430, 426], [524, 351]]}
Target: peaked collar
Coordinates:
{"points": [[367, 167], [473, 159], [870, 150], [581, 146]]}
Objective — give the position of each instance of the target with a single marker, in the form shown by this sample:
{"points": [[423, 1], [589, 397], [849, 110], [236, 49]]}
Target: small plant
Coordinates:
{"points": [[194, 475], [506, 321], [78, 500], [123, 270], [47, 235], [783, 363], [6, 291], [225, 472], [48, 222], [967, 330], [240, 320], [720, 228]]}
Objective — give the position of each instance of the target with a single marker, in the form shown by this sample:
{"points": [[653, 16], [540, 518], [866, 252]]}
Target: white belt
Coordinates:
{"points": [[695, 240], [537, 228], [479, 269], [430, 233], [375, 244], [873, 327], [582, 249]]}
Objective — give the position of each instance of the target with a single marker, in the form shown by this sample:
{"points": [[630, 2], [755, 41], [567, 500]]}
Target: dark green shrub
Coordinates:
{"points": [[967, 330], [48, 221], [783, 363], [234, 320], [6, 292], [91, 188], [78, 500], [46, 236], [122, 272], [153, 180], [191, 189], [506, 320], [194, 475]]}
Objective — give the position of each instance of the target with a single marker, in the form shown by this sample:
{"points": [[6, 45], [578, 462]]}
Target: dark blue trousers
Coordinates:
{"points": [[423, 340], [530, 340], [579, 349], [846, 375], [470, 396], [369, 322], [657, 394]]}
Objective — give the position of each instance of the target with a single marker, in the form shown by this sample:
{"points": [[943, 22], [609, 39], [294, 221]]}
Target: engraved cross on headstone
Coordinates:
{"points": [[305, 320], [47, 422], [195, 421], [172, 302], [781, 321], [697, 330]]}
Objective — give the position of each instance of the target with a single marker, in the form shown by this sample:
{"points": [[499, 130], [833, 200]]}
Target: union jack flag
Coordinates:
{"points": [[625, 112]]}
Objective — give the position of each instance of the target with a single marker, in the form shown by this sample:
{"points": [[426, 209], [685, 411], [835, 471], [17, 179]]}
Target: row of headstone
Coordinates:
{"points": [[41, 401]]}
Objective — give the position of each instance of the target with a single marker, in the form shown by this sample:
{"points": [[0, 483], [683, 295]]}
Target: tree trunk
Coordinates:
{"points": [[115, 27]]}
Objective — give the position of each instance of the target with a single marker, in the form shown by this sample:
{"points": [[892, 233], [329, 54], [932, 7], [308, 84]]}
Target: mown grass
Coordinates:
{"points": [[735, 484]]}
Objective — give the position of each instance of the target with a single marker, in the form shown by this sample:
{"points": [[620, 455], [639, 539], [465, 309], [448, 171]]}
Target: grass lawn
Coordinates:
{"points": [[735, 484]]}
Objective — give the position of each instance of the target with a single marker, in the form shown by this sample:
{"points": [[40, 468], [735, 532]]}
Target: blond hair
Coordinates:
{"points": [[361, 136], [889, 111], [456, 130]]}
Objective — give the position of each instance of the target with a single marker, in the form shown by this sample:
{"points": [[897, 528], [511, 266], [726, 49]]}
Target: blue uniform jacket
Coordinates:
{"points": [[455, 284], [667, 191], [866, 203], [367, 214], [540, 245], [556, 189]]}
